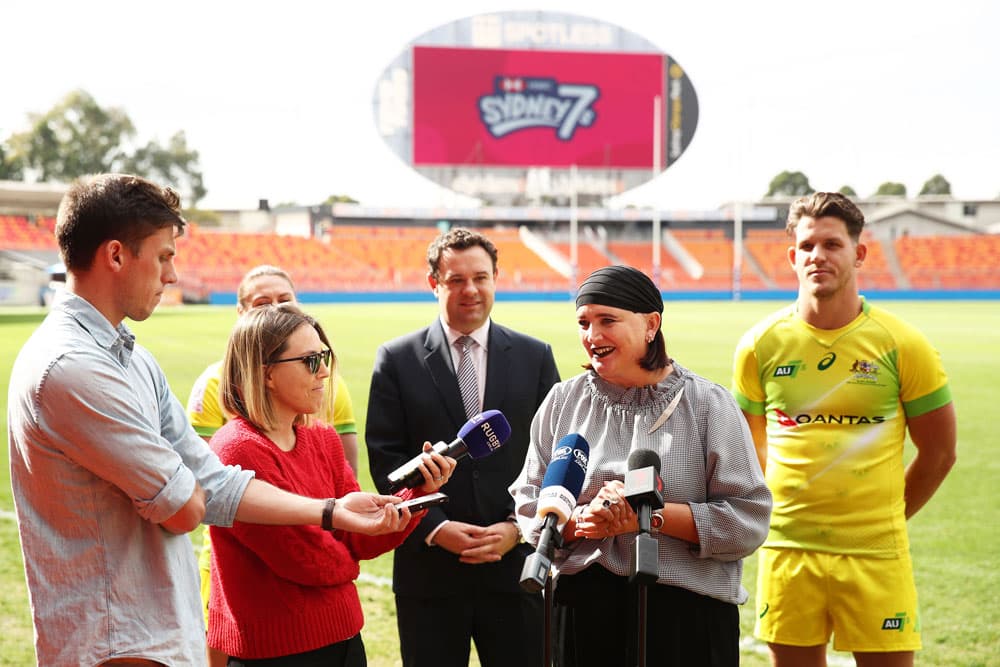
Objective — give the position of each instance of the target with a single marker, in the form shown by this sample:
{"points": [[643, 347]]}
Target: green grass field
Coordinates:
{"points": [[955, 539]]}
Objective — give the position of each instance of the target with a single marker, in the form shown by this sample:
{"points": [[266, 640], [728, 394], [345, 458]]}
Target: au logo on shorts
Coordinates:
{"points": [[896, 622]]}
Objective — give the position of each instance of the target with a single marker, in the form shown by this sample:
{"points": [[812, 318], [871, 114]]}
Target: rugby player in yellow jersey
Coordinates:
{"points": [[829, 387], [261, 286]]}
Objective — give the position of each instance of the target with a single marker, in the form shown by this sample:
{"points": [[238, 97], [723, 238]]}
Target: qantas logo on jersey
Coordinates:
{"points": [[786, 420]]}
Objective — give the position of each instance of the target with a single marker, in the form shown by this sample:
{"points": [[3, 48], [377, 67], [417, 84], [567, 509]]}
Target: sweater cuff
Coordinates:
{"points": [[430, 536]]}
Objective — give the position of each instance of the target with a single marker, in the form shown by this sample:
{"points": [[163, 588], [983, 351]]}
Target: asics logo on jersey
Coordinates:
{"points": [[827, 361]]}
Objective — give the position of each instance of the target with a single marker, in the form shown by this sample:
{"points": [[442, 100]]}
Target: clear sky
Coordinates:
{"points": [[277, 96]]}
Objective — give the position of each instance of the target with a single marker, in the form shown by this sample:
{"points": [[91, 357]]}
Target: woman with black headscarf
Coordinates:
{"points": [[633, 396]]}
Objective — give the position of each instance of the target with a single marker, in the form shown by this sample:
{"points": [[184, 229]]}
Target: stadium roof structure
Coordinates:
{"points": [[20, 197]]}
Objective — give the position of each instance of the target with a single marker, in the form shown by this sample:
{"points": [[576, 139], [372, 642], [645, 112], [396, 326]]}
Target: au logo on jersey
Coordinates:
{"points": [[519, 103], [787, 370]]}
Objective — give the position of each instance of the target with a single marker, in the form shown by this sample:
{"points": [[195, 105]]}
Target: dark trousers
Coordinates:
{"points": [[595, 623], [348, 653], [437, 631]]}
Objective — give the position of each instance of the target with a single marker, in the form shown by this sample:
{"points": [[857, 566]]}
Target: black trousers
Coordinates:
{"points": [[595, 621], [438, 631], [348, 653]]}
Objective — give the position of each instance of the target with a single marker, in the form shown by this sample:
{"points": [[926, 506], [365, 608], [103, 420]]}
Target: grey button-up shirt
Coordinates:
{"points": [[101, 452]]}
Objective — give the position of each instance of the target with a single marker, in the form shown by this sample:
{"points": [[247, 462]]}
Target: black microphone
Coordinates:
{"points": [[480, 436], [560, 487], [644, 492], [643, 486]]}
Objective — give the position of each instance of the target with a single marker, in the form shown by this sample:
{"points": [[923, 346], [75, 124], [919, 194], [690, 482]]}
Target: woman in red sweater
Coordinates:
{"points": [[286, 595]]}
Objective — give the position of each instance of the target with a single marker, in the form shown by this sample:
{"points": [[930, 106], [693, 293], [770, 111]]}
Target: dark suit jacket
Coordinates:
{"points": [[415, 397]]}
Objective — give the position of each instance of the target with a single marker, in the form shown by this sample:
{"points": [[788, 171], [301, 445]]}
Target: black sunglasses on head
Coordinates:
{"points": [[310, 360]]}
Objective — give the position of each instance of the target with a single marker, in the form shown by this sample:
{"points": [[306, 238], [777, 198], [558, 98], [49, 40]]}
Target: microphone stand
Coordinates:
{"points": [[645, 573], [547, 624], [535, 577]]}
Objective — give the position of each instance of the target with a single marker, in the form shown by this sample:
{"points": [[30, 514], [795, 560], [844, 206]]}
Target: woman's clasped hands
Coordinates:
{"points": [[606, 515]]}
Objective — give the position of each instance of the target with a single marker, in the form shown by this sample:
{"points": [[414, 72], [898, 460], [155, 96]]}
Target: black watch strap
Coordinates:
{"points": [[331, 504]]}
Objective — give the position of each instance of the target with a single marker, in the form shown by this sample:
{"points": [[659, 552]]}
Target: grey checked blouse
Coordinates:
{"points": [[707, 461]]}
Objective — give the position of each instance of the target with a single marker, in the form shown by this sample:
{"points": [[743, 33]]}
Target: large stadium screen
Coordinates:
{"points": [[510, 108]]}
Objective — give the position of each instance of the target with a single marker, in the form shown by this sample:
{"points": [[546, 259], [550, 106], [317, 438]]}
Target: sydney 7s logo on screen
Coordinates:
{"points": [[524, 102]]}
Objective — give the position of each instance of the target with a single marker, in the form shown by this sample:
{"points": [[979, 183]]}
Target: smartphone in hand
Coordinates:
{"points": [[423, 502]]}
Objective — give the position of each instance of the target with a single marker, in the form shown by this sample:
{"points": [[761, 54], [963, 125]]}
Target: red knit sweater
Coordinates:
{"points": [[278, 590]]}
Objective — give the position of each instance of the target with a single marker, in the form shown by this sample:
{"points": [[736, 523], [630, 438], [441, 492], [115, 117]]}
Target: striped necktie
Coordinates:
{"points": [[467, 381]]}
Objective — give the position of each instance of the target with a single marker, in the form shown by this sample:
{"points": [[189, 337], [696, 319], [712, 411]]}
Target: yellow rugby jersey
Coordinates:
{"points": [[205, 409], [836, 403]]}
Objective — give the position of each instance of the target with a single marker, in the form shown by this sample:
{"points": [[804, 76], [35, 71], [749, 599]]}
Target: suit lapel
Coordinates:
{"points": [[498, 366], [438, 359]]}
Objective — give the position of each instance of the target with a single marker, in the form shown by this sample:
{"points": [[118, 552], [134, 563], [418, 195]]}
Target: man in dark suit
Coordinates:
{"points": [[456, 578]]}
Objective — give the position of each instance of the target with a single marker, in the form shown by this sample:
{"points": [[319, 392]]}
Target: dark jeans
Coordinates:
{"points": [[595, 621], [348, 653]]}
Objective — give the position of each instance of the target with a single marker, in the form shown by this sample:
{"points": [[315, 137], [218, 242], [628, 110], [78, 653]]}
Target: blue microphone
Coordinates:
{"points": [[479, 437], [561, 485]]}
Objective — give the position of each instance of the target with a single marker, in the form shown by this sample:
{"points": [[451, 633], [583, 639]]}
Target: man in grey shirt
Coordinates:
{"points": [[107, 474]]}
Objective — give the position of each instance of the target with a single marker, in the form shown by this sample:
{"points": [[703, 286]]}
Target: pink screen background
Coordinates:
{"points": [[447, 130]]}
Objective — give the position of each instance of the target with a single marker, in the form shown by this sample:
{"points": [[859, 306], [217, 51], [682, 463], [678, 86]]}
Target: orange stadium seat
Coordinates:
{"points": [[951, 262], [19, 233], [520, 267], [715, 254], [640, 255], [875, 273], [588, 259], [769, 247], [393, 257]]}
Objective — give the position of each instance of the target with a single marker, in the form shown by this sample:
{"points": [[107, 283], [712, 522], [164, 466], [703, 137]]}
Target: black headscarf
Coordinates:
{"points": [[620, 287]]}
